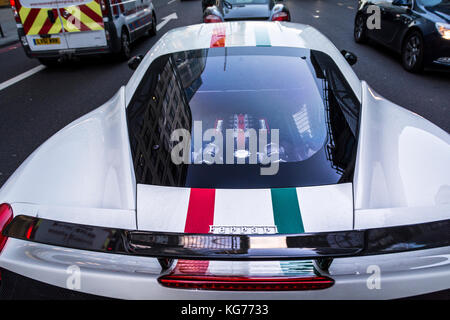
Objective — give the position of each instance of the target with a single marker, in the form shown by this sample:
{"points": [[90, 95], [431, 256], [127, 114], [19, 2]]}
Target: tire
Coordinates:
{"points": [[360, 29], [49, 62], [125, 51], [152, 31], [413, 52]]}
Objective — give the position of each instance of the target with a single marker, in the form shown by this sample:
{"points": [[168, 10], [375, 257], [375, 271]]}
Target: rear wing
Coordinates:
{"points": [[167, 245]]}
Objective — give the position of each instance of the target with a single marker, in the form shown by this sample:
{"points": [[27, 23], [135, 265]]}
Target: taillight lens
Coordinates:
{"points": [[6, 216], [13, 7], [207, 282], [281, 16], [104, 8], [211, 18]]}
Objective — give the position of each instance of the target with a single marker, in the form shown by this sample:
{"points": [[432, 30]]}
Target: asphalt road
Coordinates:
{"points": [[35, 108]]}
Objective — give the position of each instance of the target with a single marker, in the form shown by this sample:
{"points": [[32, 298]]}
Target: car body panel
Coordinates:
{"points": [[391, 169], [85, 165], [127, 277], [321, 209], [84, 174]]}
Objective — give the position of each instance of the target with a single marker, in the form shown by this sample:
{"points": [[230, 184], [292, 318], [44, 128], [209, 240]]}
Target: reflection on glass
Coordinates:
{"points": [[299, 92]]}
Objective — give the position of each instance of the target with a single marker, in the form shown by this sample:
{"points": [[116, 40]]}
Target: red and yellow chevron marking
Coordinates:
{"points": [[82, 18], [85, 17]]}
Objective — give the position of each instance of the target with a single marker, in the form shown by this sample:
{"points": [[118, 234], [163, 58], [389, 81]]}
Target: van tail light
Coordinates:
{"points": [[231, 283], [104, 8], [211, 18], [281, 16], [15, 13], [6, 216]]}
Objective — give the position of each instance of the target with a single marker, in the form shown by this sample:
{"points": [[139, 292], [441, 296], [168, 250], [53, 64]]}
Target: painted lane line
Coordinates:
{"points": [[20, 77], [171, 1], [165, 20]]}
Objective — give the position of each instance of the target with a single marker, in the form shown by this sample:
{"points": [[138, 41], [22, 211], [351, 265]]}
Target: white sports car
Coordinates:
{"points": [[243, 160]]}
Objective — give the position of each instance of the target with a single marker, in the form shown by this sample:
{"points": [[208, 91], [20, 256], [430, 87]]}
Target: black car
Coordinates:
{"points": [[418, 29], [229, 10]]}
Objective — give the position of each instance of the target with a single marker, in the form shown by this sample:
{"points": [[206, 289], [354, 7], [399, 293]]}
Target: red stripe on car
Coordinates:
{"points": [[218, 37], [200, 213]]}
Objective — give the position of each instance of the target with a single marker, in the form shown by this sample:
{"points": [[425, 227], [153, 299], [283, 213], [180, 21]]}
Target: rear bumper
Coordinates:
{"points": [[402, 275], [67, 52], [17, 287]]}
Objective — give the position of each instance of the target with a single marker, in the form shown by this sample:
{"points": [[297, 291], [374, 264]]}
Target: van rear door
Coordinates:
{"points": [[83, 23], [42, 25]]}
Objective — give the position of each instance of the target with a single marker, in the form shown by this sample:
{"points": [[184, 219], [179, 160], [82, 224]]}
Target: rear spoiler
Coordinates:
{"points": [[168, 245]]}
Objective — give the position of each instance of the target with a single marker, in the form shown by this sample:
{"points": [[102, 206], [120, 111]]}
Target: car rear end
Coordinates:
{"points": [[31, 269], [243, 184], [60, 28], [254, 10]]}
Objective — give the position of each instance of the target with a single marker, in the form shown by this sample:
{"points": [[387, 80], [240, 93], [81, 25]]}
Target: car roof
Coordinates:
{"points": [[243, 33]]}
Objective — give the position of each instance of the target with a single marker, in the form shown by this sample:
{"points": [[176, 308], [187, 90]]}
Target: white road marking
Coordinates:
{"points": [[165, 20], [171, 1], [20, 77], [30, 72]]}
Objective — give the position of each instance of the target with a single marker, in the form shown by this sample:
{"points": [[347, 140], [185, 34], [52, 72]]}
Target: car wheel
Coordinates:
{"points": [[49, 62], [152, 30], [125, 51], [412, 52], [360, 30]]}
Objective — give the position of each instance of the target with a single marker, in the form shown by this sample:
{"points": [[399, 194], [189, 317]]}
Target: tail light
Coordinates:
{"points": [[6, 216], [205, 282], [196, 274], [211, 18], [104, 8], [281, 16], [15, 13]]}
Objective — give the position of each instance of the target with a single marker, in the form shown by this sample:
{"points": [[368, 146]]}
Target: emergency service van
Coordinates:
{"points": [[51, 30]]}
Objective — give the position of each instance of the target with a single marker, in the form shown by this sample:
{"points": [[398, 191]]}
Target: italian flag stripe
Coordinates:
{"points": [[286, 210], [200, 214], [262, 37], [218, 37]]}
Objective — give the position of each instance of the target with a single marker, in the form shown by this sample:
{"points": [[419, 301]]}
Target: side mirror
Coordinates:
{"points": [[134, 62], [350, 57]]}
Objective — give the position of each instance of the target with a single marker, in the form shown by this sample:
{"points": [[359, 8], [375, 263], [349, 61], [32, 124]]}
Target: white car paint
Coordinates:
{"points": [[84, 174], [127, 277], [87, 165], [401, 172], [323, 208]]}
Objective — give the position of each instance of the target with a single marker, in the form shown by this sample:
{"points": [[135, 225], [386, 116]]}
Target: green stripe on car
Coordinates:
{"points": [[286, 210]]}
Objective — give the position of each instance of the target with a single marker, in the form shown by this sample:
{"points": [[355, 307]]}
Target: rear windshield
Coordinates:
{"points": [[243, 117]]}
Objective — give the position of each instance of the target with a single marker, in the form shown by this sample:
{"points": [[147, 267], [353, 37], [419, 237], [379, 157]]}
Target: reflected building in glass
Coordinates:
{"points": [[162, 108]]}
